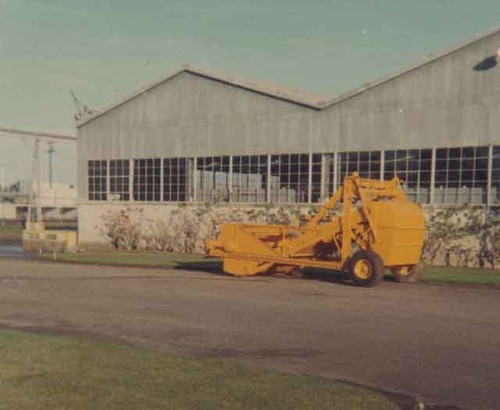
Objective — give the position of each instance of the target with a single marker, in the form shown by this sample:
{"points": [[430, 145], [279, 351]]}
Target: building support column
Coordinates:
{"points": [[309, 178], [230, 180], [131, 180], [335, 171], [490, 175], [323, 177], [382, 164], [162, 178], [268, 182], [433, 176], [108, 179], [195, 179]]}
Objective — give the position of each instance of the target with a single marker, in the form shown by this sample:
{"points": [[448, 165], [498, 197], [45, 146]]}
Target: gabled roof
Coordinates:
{"points": [[266, 88], [292, 95]]}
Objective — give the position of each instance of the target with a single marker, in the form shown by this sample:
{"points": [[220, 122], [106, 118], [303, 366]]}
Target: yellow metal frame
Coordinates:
{"points": [[374, 215]]}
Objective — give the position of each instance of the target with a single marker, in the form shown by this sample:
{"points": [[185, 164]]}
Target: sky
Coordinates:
{"points": [[105, 49]]}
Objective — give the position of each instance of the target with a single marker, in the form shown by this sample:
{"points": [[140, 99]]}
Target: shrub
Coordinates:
{"points": [[469, 235], [490, 240], [123, 228], [465, 235]]}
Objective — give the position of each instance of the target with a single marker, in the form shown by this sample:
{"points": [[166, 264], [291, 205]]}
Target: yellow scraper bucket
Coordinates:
{"points": [[376, 228]]}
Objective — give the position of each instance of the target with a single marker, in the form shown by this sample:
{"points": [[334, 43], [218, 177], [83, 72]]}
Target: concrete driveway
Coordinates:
{"points": [[438, 343]]}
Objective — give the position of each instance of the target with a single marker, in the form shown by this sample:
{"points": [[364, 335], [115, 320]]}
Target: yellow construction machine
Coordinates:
{"points": [[366, 227]]}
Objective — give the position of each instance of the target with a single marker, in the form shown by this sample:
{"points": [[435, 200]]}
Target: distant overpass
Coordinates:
{"points": [[14, 205], [15, 132]]}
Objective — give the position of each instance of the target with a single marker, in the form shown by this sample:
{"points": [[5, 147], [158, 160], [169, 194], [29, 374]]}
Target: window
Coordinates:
{"points": [[97, 180], [365, 163], [119, 179], [147, 179], [316, 190], [177, 179], [329, 179], [213, 179], [249, 179], [413, 168], [461, 175], [289, 178]]}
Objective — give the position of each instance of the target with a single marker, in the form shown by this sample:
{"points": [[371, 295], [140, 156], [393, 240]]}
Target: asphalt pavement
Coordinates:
{"points": [[438, 343]]}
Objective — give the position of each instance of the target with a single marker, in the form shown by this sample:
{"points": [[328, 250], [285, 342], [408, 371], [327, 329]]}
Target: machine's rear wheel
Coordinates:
{"points": [[407, 274], [366, 268]]}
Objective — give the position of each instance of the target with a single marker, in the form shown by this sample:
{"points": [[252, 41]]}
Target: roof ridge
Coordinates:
{"points": [[264, 86]]}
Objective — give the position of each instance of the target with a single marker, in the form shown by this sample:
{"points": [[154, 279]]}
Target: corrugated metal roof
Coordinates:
{"points": [[270, 89], [295, 96]]}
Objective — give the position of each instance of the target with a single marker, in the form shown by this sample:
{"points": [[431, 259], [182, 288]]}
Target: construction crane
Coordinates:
{"points": [[82, 110]]}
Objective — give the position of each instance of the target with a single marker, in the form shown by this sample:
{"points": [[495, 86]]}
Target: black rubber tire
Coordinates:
{"points": [[376, 268], [412, 277]]}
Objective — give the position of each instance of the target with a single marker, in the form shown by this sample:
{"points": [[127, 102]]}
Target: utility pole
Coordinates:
{"points": [[38, 182], [35, 203], [2, 182], [2, 179], [51, 153]]}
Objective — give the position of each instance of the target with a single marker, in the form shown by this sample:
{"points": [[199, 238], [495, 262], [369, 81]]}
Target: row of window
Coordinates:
{"points": [[460, 176], [153, 179]]}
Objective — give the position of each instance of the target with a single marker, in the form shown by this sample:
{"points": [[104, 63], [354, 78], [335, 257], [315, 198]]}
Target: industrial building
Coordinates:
{"points": [[199, 136]]}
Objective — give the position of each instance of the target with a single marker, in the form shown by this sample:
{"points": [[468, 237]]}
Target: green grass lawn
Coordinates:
{"points": [[11, 234], [11, 228], [461, 275], [432, 274], [49, 372]]}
